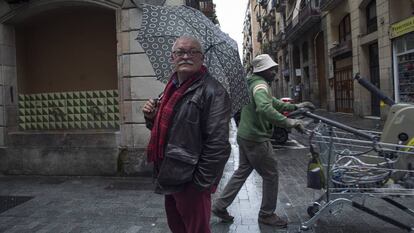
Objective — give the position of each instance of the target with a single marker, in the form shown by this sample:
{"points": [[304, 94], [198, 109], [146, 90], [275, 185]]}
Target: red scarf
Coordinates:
{"points": [[163, 119]]}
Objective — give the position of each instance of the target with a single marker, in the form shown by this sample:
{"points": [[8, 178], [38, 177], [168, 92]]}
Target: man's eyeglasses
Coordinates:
{"points": [[190, 53]]}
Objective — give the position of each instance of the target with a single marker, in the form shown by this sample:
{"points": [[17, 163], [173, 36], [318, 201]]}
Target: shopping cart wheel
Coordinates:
{"points": [[313, 209]]}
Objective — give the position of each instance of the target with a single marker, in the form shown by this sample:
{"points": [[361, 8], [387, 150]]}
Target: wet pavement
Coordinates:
{"points": [[127, 204]]}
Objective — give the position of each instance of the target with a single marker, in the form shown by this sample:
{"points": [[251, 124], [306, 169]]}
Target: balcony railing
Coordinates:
{"points": [[327, 5], [308, 16], [207, 7], [342, 48], [279, 41]]}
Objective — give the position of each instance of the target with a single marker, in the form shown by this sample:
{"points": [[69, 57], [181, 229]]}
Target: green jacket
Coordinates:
{"points": [[262, 113]]}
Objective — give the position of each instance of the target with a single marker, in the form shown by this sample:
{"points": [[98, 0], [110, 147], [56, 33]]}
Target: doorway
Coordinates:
{"points": [[344, 85]]}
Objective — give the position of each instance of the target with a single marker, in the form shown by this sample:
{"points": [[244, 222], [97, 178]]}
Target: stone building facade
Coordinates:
{"points": [[323, 44], [73, 80]]}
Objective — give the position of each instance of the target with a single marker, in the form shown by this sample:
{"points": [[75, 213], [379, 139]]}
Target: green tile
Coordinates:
{"points": [[45, 103], [22, 119], [101, 101], [93, 102], [22, 111], [83, 110], [109, 109], [84, 117], [69, 102], [69, 95], [82, 95], [76, 95], [102, 94], [83, 102], [74, 117], [89, 94], [97, 124], [109, 93], [21, 97]]}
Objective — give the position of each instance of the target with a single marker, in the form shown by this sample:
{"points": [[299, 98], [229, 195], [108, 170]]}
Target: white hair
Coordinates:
{"points": [[191, 38]]}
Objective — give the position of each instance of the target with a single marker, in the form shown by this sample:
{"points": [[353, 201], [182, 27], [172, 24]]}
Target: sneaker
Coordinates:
{"points": [[273, 220], [223, 214]]}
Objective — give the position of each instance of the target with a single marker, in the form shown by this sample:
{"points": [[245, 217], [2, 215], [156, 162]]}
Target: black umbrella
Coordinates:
{"points": [[162, 25]]}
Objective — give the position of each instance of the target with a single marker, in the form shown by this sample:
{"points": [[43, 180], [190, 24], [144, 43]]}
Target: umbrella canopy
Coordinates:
{"points": [[162, 25]]}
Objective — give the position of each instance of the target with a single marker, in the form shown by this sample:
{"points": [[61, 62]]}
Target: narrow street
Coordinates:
{"points": [[128, 204]]}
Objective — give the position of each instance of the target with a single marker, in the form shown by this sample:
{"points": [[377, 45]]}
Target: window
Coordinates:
{"points": [[371, 12], [345, 29]]}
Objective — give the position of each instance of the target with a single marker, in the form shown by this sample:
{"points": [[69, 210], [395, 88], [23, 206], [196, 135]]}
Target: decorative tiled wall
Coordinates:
{"points": [[69, 110]]}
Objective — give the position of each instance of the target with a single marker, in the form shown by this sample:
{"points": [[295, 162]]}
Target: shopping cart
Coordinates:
{"points": [[355, 165]]}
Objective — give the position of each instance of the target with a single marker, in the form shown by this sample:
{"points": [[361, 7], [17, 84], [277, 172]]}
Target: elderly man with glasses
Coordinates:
{"points": [[189, 142]]}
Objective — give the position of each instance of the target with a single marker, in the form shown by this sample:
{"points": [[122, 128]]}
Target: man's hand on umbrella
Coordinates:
{"points": [[149, 109]]}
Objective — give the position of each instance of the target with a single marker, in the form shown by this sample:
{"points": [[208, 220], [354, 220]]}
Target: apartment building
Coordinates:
{"points": [[321, 45]]}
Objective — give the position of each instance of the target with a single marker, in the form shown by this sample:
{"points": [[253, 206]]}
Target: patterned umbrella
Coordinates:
{"points": [[161, 26]]}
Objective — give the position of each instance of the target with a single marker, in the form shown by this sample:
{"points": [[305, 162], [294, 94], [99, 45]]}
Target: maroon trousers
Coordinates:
{"points": [[189, 211]]}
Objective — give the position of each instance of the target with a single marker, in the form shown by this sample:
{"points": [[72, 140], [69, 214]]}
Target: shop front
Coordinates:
{"points": [[402, 34]]}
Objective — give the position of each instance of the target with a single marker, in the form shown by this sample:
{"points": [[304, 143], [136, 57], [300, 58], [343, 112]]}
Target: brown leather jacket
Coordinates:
{"points": [[197, 147]]}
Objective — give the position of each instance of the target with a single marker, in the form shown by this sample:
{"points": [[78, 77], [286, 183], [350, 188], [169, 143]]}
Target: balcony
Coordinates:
{"points": [[341, 49], [278, 41], [307, 18], [327, 5], [207, 7], [280, 5]]}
